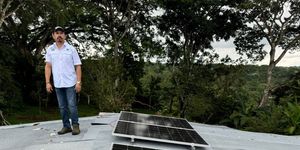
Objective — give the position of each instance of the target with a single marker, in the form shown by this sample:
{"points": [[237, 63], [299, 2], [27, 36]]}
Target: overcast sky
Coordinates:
{"points": [[228, 48]]}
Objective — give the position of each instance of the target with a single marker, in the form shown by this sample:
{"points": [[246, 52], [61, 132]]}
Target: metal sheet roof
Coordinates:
{"points": [[42, 136]]}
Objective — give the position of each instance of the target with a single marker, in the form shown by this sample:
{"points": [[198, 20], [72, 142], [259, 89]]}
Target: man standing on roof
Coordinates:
{"points": [[63, 62]]}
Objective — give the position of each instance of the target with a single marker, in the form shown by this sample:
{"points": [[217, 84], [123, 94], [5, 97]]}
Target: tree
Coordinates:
{"points": [[27, 33], [277, 22], [189, 28], [7, 9], [122, 28]]}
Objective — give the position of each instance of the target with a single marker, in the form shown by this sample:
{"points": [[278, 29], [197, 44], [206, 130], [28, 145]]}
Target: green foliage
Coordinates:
{"points": [[288, 95], [189, 27], [99, 78], [292, 113], [289, 91], [250, 118], [224, 90], [150, 85], [201, 109], [270, 120], [220, 94], [247, 42], [10, 92]]}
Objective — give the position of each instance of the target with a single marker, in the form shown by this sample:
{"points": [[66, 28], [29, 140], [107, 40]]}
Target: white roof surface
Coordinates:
{"points": [[42, 136]]}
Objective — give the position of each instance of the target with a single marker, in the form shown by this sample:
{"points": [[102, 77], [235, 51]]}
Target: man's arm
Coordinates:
{"points": [[48, 70], [78, 75]]}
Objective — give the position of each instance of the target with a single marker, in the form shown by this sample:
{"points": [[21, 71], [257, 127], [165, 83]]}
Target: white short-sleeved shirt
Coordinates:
{"points": [[63, 63]]}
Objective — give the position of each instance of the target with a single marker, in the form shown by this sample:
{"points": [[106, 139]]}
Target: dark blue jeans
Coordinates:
{"points": [[67, 102]]}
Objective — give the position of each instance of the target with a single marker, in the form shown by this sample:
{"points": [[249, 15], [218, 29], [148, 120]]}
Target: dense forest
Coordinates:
{"points": [[156, 56]]}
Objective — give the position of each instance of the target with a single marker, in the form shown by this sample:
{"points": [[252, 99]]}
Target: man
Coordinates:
{"points": [[63, 62]]}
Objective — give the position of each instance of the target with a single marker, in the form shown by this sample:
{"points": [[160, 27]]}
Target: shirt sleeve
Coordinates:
{"points": [[76, 58], [48, 56]]}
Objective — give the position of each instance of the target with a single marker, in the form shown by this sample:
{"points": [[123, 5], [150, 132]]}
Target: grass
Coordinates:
{"points": [[29, 114]]}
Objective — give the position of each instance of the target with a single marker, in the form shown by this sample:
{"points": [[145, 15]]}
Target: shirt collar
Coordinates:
{"points": [[63, 47]]}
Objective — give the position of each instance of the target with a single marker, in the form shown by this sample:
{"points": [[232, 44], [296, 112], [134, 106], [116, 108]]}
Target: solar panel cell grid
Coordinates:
{"points": [[157, 128], [159, 132], [155, 120]]}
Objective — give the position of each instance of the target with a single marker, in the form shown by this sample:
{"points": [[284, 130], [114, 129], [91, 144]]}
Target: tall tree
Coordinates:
{"points": [[277, 22], [123, 29], [189, 28]]}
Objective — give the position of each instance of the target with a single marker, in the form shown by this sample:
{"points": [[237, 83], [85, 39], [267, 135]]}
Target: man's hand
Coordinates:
{"points": [[78, 87], [49, 88]]}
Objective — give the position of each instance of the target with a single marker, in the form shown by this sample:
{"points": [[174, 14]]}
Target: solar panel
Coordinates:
{"points": [[143, 131], [155, 120], [127, 147], [157, 128]]}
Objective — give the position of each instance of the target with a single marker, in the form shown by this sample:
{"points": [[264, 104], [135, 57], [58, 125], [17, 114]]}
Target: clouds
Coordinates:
{"points": [[224, 48]]}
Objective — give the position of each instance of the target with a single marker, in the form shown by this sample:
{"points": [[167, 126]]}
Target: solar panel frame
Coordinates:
{"points": [[133, 137], [180, 123], [130, 146]]}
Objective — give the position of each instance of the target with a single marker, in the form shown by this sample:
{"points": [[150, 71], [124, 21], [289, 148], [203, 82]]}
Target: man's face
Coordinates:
{"points": [[59, 36]]}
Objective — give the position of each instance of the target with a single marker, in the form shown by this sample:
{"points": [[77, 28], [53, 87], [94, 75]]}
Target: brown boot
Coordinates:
{"points": [[76, 129], [64, 130]]}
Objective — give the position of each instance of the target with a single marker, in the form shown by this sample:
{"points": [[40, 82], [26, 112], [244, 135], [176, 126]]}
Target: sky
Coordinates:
{"points": [[290, 59], [224, 48]]}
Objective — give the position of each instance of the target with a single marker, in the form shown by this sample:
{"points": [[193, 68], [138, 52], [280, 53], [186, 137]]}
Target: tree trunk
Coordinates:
{"points": [[265, 98], [171, 105], [181, 107], [171, 99], [2, 119]]}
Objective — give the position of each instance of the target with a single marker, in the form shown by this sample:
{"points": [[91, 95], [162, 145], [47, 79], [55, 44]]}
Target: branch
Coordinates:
{"points": [[13, 11], [76, 37], [118, 9], [281, 32], [128, 22], [282, 29], [111, 21], [106, 10], [280, 13], [281, 56], [42, 43], [123, 15], [287, 48], [7, 6], [1, 5], [296, 39], [269, 28], [144, 104], [127, 27], [262, 29], [33, 43]]}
